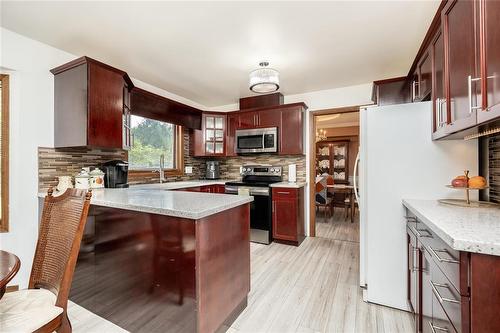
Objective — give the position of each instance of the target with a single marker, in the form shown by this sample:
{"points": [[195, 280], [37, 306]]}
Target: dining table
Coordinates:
{"points": [[349, 190], [9, 266]]}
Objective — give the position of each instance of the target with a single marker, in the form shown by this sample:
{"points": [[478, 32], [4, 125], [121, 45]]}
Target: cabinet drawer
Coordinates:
{"points": [[439, 321], [280, 193], [447, 259], [446, 300]]}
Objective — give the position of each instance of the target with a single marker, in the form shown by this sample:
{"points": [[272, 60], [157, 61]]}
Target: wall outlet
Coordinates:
{"points": [[188, 169]]}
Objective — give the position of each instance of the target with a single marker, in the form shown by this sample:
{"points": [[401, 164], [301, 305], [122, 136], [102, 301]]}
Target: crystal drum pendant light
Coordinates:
{"points": [[264, 79]]}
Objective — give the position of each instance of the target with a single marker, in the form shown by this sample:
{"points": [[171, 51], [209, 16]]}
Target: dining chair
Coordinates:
{"points": [[43, 306], [341, 199], [322, 199]]}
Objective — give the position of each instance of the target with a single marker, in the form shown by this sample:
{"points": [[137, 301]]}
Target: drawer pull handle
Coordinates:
{"points": [[283, 192], [440, 298], [435, 328], [425, 230], [435, 254], [414, 266]]}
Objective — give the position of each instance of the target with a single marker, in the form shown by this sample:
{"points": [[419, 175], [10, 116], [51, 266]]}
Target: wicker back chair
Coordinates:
{"points": [[61, 229]]}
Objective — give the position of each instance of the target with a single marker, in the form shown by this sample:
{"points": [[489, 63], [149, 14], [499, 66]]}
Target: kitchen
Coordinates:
{"points": [[261, 149]]}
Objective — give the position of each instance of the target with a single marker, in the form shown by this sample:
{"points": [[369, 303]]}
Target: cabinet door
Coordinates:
{"points": [[490, 60], [460, 68], [127, 120], [105, 113], [425, 76], [291, 132], [285, 219], [214, 129], [206, 189], [232, 124], [269, 118], [248, 120], [198, 143], [211, 139], [219, 188], [440, 118]]}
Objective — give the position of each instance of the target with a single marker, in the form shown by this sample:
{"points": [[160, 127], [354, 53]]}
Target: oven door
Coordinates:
{"points": [[259, 140], [260, 219]]}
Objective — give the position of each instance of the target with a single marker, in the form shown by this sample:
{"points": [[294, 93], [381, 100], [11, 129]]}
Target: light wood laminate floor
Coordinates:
{"points": [[311, 288]]}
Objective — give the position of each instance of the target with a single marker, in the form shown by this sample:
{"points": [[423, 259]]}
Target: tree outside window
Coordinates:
{"points": [[151, 139]]}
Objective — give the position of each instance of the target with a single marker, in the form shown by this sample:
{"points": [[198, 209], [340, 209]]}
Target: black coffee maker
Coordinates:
{"points": [[115, 174]]}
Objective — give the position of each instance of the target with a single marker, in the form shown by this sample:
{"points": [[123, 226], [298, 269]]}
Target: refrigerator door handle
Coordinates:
{"points": [[356, 194]]}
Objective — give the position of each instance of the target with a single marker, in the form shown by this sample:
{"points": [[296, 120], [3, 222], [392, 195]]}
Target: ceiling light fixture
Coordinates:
{"points": [[264, 79]]}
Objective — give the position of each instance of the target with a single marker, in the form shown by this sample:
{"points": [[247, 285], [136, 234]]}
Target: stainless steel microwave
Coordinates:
{"points": [[257, 140]]}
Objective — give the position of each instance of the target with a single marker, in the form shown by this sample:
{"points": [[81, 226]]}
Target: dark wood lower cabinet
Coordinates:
{"points": [[288, 215], [216, 188], [484, 293], [456, 291], [155, 273]]}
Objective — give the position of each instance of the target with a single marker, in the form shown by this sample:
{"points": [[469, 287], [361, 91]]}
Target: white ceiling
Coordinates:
{"points": [[204, 50], [338, 120]]}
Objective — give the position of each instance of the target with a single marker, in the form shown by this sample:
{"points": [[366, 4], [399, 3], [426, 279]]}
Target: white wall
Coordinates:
{"points": [[32, 125], [320, 100]]}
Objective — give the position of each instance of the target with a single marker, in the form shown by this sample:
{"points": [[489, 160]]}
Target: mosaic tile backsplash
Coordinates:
{"points": [[68, 162], [494, 168]]}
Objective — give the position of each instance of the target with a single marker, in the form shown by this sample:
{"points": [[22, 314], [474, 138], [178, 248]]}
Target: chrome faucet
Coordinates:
{"points": [[161, 169]]}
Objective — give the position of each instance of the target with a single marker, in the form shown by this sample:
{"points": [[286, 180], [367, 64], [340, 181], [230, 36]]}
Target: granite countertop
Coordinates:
{"points": [[159, 199], [289, 185], [463, 229]]}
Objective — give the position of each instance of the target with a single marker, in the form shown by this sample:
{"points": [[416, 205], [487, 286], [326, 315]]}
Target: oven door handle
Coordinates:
{"points": [[260, 192]]}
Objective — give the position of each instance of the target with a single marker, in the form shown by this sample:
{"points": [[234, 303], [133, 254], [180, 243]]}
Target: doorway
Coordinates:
{"points": [[334, 144]]}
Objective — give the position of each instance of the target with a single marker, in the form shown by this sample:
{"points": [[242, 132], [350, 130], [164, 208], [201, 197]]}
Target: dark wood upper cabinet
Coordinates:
{"points": [[489, 18], [232, 124], [105, 99], [248, 120], [456, 68], [391, 91], [261, 101], [440, 116], [211, 139], [270, 118], [425, 77], [153, 106], [291, 131], [288, 118], [91, 105], [459, 32]]}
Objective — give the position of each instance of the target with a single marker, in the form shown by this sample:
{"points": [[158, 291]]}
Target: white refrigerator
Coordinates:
{"points": [[397, 160]]}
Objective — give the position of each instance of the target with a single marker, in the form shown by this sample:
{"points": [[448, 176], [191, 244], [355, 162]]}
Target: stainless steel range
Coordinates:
{"points": [[255, 181]]}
